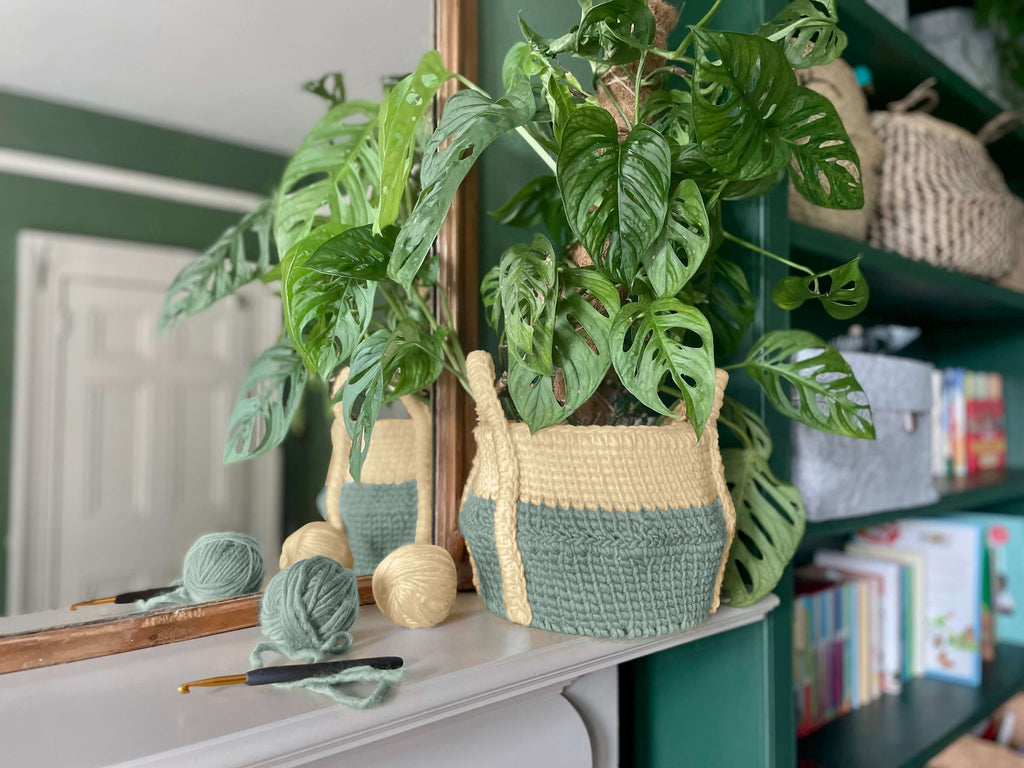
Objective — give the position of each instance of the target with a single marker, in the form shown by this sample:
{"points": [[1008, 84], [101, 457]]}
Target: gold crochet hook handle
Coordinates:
{"points": [[126, 597]]}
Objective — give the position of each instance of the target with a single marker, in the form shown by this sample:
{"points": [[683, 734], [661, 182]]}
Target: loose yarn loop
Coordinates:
{"points": [[306, 612], [217, 566]]}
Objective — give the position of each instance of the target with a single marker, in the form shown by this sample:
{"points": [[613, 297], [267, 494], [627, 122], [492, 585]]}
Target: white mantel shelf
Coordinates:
{"points": [[125, 709]]}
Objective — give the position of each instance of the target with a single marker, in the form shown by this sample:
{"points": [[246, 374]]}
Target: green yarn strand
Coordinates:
{"points": [[330, 685]]}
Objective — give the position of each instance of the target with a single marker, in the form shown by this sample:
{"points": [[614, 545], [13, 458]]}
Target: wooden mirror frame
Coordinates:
{"points": [[456, 40]]}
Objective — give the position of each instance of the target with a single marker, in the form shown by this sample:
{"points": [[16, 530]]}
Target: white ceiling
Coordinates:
{"points": [[230, 69]]}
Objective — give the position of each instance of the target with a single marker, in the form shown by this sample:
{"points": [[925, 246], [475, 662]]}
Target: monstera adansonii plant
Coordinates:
{"points": [[628, 299]]}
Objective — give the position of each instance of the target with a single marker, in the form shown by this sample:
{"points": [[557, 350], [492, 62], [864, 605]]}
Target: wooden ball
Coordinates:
{"points": [[319, 538], [415, 585]]}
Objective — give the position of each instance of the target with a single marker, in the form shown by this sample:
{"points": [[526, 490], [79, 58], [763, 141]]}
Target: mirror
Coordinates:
{"points": [[131, 138]]}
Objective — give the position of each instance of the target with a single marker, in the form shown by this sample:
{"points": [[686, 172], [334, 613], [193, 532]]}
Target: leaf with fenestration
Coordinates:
{"points": [[326, 314], [356, 252], [661, 339], [688, 162], [401, 119], [581, 351], [808, 32], [741, 87], [270, 396], [529, 289], [827, 168], [337, 165], [222, 268], [361, 397], [817, 388], [412, 360], [680, 248], [471, 121], [490, 296], [615, 193], [770, 521], [613, 31], [843, 291]]}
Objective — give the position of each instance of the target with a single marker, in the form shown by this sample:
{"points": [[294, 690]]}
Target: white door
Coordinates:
{"points": [[120, 432]]}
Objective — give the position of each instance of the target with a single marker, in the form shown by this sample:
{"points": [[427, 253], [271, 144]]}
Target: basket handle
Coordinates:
{"points": [[495, 446], [923, 98], [1001, 125]]}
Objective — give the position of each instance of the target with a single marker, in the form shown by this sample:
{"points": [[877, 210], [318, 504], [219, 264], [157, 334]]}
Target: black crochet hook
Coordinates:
{"points": [[292, 672], [126, 597]]}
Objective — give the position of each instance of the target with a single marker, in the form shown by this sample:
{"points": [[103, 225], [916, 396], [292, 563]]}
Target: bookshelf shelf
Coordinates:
{"points": [[962, 494], [900, 731], [909, 291]]}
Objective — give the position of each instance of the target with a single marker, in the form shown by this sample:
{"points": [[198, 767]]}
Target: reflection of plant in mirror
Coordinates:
{"points": [[630, 298]]}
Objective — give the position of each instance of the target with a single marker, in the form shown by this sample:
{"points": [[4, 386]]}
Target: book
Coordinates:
{"points": [[953, 567], [914, 602], [890, 634]]}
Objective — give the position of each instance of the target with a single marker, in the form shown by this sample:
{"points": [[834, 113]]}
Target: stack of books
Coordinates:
{"points": [[968, 422], [902, 600]]}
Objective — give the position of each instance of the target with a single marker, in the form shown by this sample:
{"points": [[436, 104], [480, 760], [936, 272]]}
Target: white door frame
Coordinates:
{"points": [[41, 279]]}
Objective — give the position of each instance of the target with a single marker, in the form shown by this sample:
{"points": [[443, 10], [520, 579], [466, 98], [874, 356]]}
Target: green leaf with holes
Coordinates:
{"points": [[741, 86], [680, 248], [827, 168], [223, 268], [362, 395], [581, 350], [664, 340], [490, 296], [338, 166], [401, 119], [770, 515], [843, 291], [271, 394], [412, 360], [529, 291], [808, 33], [615, 193], [355, 253], [470, 123], [807, 380], [326, 314], [610, 32]]}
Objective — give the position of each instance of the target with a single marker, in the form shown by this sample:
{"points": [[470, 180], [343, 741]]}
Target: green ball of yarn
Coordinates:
{"points": [[220, 565], [308, 608]]}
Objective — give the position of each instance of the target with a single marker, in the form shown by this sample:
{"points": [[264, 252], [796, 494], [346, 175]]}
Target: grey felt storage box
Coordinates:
{"points": [[845, 477]]}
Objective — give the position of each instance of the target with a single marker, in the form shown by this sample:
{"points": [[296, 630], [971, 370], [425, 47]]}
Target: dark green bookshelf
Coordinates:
{"points": [[962, 494], [906, 730], [909, 291]]}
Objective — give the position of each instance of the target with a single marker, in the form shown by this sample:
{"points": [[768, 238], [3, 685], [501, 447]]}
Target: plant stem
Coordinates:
{"points": [[678, 52], [636, 84], [717, 193], [615, 102], [523, 133], [763, 252]]}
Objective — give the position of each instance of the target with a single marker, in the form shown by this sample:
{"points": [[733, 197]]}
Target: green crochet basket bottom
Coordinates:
{"points": [[605, 574]]}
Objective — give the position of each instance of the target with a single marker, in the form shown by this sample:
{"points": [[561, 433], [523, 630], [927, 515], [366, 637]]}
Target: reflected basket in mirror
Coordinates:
{"points": [[391, 507]]}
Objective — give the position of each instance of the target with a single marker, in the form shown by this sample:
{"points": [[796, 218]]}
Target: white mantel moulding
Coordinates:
{"points": [[124, 710]]}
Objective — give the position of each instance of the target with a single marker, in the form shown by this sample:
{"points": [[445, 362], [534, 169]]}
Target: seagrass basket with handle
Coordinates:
{"points": [[606, 531]]}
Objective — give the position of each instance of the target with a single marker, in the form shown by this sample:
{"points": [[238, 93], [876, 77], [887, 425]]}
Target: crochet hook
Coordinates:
{"points": [[292, 672], [126, 597]]}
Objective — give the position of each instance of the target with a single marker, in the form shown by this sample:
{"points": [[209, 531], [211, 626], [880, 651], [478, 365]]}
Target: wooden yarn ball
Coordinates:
{"points": [[415, 585], [320, 538]]}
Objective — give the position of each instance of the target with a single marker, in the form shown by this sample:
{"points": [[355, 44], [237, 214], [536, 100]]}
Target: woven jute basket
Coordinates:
{"points": [[838, 83], [941, 199], [393, 503], [598, 530]]}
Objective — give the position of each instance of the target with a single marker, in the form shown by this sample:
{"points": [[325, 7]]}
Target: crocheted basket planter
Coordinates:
{"points": [[391, 507], [599, 531]]}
